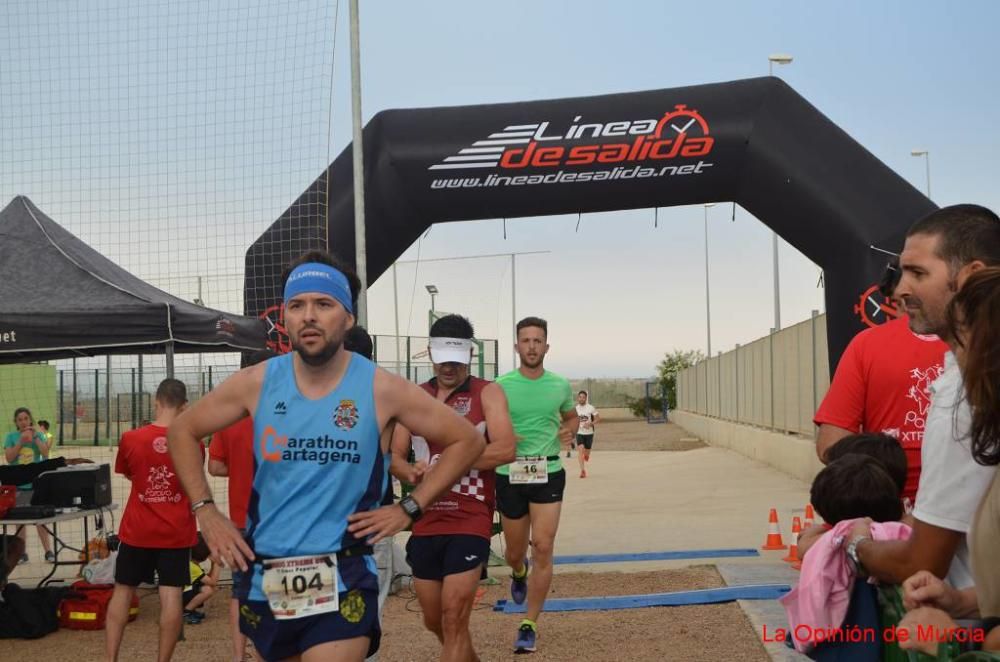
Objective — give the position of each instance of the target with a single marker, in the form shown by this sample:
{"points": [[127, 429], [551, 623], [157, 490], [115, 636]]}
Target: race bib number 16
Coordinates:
{"points": [[529, 471], [301, 586]]}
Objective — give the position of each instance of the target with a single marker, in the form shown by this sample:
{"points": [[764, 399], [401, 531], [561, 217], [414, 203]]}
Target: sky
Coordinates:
{"points": [[170, 134]]}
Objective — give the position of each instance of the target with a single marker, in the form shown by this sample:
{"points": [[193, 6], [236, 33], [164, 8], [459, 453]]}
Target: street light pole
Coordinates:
{"points": [[360, 251], [513, 309], [433, 291], [708, 300], [780, 59], [927, 163]]}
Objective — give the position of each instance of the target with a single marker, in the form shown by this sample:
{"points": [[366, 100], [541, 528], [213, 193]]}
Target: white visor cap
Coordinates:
{"points": [[451, 350]]}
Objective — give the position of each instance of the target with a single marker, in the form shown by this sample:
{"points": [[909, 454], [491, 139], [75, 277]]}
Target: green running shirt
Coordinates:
{"points": [[536, 408]]}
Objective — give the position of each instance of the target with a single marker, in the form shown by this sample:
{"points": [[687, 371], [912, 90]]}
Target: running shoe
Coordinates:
{"points": [[192, 617], [24, 559], [583, 474], [525, 642], [519, 585], [50, 557]]}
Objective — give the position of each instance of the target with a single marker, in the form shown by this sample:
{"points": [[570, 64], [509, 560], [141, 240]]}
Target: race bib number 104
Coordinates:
{"points": [[301, 586]]}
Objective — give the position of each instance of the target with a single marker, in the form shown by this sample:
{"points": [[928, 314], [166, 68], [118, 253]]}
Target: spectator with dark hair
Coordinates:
{"points": [[942, 251], [882, 447], [28, 446], [974, 322], [157, 529], [203, 584], [853, 486], [44, 426], [358, 341]]}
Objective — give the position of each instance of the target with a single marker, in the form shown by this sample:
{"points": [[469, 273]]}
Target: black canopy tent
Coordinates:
{"points": [[59, 298]]}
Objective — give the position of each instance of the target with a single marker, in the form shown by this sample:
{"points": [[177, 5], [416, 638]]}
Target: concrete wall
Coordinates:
{"points": [[792, 454], [776, 382]]}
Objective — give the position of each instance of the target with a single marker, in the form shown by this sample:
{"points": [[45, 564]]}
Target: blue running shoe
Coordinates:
{"points": [[525, 642], [519, 585]]}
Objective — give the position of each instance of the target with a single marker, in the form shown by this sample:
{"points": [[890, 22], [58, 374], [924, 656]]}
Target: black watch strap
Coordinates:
{"points": [[411, 507]]}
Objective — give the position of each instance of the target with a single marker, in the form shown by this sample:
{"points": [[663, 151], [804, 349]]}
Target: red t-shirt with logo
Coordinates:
{"points": [[234, 448], [158, 513], [468, 508], [881, 385]]}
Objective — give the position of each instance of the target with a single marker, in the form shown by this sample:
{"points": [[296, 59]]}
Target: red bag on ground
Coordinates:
{"points": [[86, 606], [8, 497]]}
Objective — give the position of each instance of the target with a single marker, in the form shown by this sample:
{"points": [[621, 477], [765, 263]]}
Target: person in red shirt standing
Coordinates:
{"points": [[881, 386], [451, 540], [158, 528], [231, 454]]}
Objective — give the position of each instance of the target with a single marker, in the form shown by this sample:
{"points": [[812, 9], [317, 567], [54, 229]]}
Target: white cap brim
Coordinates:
{"points": [[450, 350]]}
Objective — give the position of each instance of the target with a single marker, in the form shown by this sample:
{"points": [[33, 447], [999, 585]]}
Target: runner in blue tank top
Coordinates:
{"points": [[323, 418]]}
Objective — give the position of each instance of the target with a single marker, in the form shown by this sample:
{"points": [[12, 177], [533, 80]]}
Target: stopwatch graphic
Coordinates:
{"points": [[277, 336], [875, 308], [681, 120]]}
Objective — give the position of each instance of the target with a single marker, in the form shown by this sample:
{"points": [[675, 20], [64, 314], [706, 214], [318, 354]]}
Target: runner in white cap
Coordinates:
{"points": [[451, 542]]}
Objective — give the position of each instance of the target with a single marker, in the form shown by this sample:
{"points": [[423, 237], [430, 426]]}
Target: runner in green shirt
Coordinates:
{"points": [[530, 490]]}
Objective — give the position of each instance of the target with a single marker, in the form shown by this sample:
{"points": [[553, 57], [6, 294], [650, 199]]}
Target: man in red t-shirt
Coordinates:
{"points": [[231, 454], [450, 542], [881, 385], [158, 528]]}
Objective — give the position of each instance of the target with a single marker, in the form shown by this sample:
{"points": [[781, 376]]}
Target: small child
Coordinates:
{"points": [[882, 447], [203, 584], [44, 427], [856, 485]]}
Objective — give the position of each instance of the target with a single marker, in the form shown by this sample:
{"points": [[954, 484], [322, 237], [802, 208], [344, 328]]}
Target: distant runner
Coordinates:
{"points": [[589, 417]]}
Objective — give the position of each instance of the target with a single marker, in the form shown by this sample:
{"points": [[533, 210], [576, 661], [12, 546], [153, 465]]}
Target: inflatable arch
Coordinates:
{"points": [[754, 142]]}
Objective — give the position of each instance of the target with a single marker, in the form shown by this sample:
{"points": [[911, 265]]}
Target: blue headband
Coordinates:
{"points": [[316, 278]]}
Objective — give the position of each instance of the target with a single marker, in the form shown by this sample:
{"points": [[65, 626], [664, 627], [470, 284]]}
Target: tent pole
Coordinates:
{"points": [[170, 359]]}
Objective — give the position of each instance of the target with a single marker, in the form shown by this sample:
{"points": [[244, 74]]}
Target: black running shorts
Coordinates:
{"points": [[513, 500]]}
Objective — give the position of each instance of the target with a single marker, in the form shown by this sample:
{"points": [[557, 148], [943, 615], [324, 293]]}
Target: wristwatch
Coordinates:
{"points": [[411, 507], [200, 504], [852, 552]]}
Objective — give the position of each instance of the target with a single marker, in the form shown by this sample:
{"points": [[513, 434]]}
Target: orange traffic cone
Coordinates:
{"points": [[773, 533], [810, 516], [793, 551]]}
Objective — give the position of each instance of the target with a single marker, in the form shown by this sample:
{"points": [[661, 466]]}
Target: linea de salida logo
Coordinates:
{"points": [[680, 133]]}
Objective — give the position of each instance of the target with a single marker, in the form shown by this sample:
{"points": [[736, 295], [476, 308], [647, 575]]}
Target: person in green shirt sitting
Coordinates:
{"points": [[28, 445]]}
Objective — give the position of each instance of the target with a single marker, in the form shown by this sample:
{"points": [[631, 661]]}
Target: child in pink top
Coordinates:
{"points": [[851, 487]]}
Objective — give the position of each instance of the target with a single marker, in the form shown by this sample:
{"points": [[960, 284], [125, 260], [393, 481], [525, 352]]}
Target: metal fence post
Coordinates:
{"points": [[97, 405], [133, 404], [141, 393], [107, 399], [74, 400], [736, 380], [812, 357], [62, 404], [770, 344]]}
